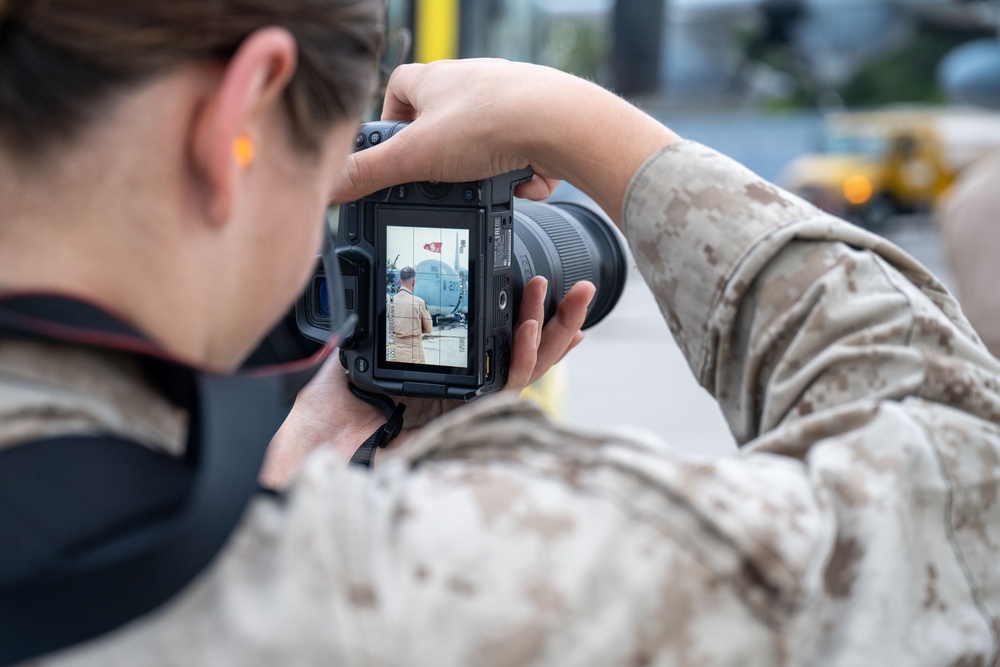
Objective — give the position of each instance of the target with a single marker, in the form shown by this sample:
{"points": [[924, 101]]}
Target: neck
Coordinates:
{"points": [[113, 276], [101, 224]]}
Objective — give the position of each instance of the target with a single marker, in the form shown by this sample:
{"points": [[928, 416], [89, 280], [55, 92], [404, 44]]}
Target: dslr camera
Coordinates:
{"points": [[434, 273]]}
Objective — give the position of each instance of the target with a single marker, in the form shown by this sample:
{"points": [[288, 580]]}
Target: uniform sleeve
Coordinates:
{"points": [[509, 541], [782, 310], [425, 318]]}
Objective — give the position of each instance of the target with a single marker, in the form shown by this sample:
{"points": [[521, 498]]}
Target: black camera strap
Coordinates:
{"points": [[365, 455], [96, 530]]}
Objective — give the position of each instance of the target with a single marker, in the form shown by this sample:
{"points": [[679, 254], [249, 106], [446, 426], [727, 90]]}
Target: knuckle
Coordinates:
{"points": [[360, 176]]}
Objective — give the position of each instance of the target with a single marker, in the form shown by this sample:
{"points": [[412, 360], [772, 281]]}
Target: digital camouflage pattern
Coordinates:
{"points": [[857, 526]]}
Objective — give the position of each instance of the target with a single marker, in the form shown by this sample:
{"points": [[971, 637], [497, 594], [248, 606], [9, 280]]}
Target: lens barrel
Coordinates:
{"points": [[567, 243]]}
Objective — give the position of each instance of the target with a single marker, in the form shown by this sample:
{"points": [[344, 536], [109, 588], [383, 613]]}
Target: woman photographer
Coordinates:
{"points": [[164, 168]]}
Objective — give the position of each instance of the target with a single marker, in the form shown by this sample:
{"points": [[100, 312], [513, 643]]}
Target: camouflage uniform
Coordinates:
{"points": [[857, 526]]}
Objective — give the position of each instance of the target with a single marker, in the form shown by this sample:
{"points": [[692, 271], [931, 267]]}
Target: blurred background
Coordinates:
{"points": [[872, 109]]}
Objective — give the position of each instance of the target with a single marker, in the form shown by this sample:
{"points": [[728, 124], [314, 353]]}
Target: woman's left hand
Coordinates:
{"points": [[326, 413]]}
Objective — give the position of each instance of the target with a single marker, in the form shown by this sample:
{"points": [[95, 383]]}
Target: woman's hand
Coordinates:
{"points": [[475, 119], [327, 414]]}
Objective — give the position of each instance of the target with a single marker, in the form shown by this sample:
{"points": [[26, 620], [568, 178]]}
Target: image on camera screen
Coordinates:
{"points": [[427, 296]]}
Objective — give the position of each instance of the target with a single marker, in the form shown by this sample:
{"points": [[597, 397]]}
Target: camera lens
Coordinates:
{"points": [[567, 243]]}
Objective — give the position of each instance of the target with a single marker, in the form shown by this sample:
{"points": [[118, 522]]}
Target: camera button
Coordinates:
{"points": [[359, 140], [361, 365], [351, 229], [503, 300], [470, 194], [434, 189], [374, 138], [402, 192]]}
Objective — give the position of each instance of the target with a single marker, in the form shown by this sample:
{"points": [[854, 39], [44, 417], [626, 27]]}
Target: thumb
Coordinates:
{"points": [[366, 172]]}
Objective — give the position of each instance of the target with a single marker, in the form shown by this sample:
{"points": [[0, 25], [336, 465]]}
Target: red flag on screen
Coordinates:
{"points": [[433, 247]]}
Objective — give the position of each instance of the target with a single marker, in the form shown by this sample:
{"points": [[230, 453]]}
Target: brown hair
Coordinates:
{"points": [[63, 61]]}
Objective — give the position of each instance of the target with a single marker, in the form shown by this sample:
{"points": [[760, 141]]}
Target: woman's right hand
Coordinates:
{"points": [[475, 119]]}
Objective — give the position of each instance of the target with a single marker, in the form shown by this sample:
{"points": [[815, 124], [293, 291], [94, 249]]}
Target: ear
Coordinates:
{"points": [[239, 108]]}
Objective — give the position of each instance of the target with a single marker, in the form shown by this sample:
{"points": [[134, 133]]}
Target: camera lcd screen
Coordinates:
{"points": [[427, 289]]}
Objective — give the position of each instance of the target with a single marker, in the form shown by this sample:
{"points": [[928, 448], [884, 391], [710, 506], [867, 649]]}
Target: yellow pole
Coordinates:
{"points": [[437, 27]]}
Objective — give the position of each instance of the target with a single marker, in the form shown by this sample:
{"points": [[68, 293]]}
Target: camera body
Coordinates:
{"points": [[429, 271]]}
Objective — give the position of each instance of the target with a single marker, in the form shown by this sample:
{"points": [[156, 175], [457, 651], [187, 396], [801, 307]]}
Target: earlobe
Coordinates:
{"points": [[237, 116]]}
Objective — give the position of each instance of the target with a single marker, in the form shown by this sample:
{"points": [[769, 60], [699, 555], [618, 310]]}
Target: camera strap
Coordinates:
{"points": [[96, 530], [365, 455]]}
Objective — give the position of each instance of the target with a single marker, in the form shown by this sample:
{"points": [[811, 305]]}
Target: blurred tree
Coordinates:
{"points": [[905, 76], [578, 48]]}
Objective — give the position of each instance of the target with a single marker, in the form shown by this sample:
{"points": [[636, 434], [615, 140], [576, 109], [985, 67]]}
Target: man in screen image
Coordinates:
{"points": [[410, 320]]}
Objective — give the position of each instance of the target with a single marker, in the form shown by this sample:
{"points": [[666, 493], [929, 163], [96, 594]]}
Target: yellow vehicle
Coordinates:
{"points": [[872, 165]]}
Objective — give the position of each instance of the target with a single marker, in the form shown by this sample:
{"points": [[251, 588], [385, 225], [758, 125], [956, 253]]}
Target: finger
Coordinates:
{"points": [[379, 167], [532, 305], [538, 188], [560, 332], [362, 173], [523, 355], [398, 103], [527, 333]]}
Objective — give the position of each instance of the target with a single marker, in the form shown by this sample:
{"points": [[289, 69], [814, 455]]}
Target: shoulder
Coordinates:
{"points": [[51, 389], [498, 520], [500, 470]]}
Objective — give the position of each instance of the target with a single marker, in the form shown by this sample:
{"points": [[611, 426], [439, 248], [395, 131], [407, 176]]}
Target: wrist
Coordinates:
{"points": [[588, 136], [303, 432]]}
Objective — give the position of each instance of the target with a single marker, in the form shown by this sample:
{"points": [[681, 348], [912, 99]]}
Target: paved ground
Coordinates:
{"points": [[629, 372], [447, 347]]}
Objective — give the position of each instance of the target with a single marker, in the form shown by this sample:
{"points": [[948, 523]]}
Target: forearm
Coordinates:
{"points": [[589, 137]]}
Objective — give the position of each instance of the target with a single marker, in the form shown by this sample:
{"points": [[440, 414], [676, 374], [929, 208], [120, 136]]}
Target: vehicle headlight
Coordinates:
{"points": [[857, 189]]}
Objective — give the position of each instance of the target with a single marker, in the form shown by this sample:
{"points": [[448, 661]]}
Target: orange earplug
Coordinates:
{"points": [[243, 150]]}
